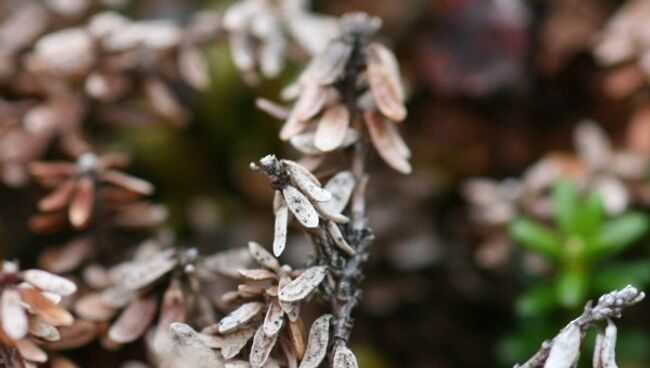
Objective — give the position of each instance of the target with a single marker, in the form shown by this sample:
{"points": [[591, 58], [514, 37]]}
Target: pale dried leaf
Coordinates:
{"points": [[592, 144], [274, 318], [306, 182], [193, 352], [12, 315], [280, 230], [259, 274], [240, 316], [91, 307], [303, 285], [566, 348], [234, 342], [300, 206], [328, 67], [227, 262], [81, 205], [263, 257], [310, 103], [344, 358], [43, 330], [339, 239], [45, 308], [49, 282], [317, 342], [31, 351], [332, 128], [605, 349], [341, 186], [261, 348], [138, 274], [384, 81]]}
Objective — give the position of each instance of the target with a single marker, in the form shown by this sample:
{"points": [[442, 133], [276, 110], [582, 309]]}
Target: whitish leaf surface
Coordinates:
{"points": [[338, 238], [192, 350], [49, 282], [261, 347], [136, 275], [262, 256], [300, 206], [566, 348], [234, 342], [332, 127], [303, 285], [274, 318], [13, 316], [240, 317], [280, 230], [604, 351], [306, 182], [42, 329], [257, 274], [344, 358], [319, 334], [341, 186]]}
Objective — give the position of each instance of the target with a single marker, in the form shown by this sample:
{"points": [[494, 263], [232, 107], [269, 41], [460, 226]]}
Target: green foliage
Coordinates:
{"points": [[579, 244]]}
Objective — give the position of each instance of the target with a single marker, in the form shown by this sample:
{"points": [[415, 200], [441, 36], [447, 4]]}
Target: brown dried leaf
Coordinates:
{"points": [[45, 308], [49, 282], [76, 335], [317, 342], [31, 351], [173, 307], [128, 182], [12, 315], [227, 262], [303, 285], [81, 205], [384, 81], [91, 307], [234, 342], [134, 320], [310, 103], [66, 257], [59, 198], [383, 140], [261, 347], [300, 206], [43, 330], [240, 316], [328, 67], [332, 128], [296, 334]]}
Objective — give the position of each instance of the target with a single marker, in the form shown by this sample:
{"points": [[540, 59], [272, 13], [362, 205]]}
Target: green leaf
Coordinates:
{"points": [[590, 215], [617, 234], [536, 237], [565, 205], [618, 275], [536, 301], [571, 288]]}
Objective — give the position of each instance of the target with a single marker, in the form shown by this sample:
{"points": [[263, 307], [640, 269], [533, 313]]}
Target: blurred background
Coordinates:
{"points": [[495, 86]]}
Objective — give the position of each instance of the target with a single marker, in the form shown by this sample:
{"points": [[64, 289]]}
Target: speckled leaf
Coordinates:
{"points": [[263, 257], [257, 274], [261, 347], [280, 230], [303, 285], [344, 358], [193, 352], [306, 182], [341, 186], [240, 317], [300, 206], [317, 342], [136, 275], [274, 318], [235, 341], [338, 238]]}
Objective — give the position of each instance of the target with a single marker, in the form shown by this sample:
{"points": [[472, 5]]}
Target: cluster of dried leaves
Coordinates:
{"points": [[79, 64]]}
